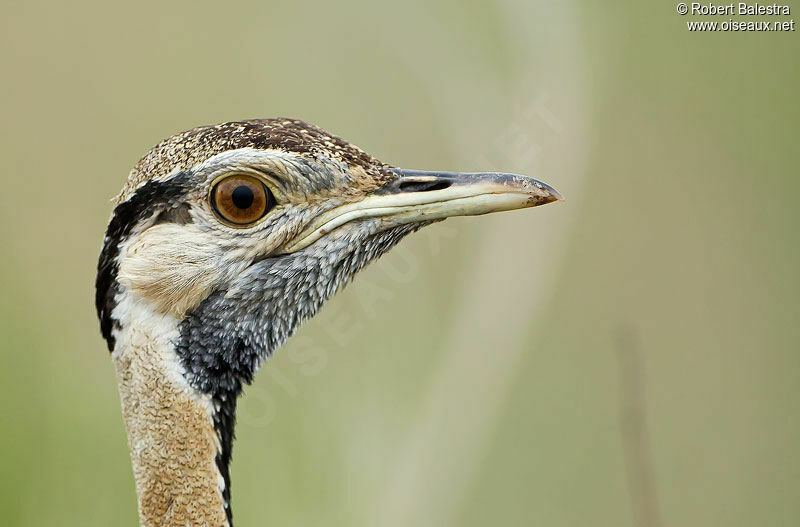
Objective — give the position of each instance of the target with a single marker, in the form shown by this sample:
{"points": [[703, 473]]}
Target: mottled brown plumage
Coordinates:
{"points": [[171, 438], [187, 149]]}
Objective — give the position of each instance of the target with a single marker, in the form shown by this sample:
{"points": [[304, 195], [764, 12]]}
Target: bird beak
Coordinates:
{"points": [[419, 196]]}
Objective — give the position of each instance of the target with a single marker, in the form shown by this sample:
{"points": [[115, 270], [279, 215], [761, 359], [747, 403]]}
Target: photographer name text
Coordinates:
{"points": [[742, 8]]}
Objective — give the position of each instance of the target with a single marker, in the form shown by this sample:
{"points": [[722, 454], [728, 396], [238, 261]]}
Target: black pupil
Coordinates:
{"points": [[242, 197]]}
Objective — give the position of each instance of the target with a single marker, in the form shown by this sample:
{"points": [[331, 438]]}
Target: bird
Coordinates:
{"points": [[222, 241]]}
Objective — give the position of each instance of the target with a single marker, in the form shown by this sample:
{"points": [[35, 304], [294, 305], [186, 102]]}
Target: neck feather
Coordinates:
{"points": [[179, 379], [175, 448]]}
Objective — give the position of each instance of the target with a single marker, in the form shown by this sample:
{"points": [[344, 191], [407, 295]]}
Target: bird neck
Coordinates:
{"points": [[173, 442]]}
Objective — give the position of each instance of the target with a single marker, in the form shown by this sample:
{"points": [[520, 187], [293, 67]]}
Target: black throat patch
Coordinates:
{"points": [[225, 339]]}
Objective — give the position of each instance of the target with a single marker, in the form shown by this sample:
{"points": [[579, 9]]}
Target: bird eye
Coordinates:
{"points": [[241, 199]]}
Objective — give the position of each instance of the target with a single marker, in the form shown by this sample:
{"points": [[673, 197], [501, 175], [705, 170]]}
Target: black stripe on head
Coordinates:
{"points": [[150, 198]]}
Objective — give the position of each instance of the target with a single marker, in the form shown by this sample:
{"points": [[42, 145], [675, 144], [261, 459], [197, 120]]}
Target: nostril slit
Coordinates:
{"points": [[423, 186]]}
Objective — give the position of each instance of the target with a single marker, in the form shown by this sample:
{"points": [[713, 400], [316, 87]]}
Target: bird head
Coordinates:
{"points": [[256, 223], [225, 238]]}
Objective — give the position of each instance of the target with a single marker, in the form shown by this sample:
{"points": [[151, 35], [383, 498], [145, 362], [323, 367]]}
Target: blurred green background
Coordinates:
{"points": [[628, 357]]}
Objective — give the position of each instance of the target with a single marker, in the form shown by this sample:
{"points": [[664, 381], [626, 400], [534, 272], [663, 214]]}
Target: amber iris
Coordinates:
{"points": [[241, 200]]}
